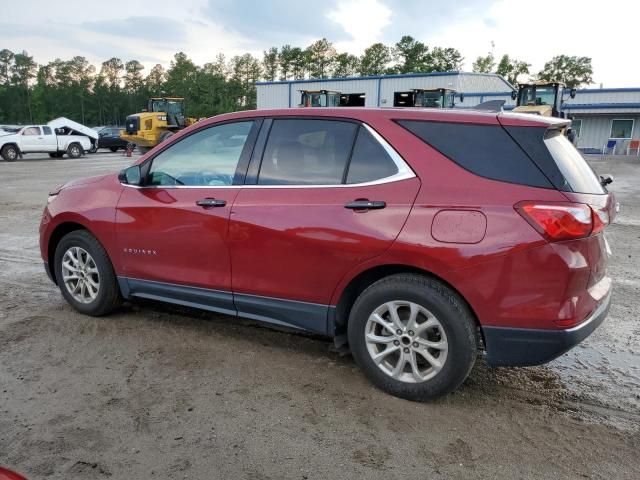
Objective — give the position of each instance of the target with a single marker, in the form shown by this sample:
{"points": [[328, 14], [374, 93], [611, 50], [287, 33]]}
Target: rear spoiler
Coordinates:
{"points": [[528, 120], [490, 106]]}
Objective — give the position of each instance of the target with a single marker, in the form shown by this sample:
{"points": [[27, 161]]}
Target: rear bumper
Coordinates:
{"points": [[521, 347]]}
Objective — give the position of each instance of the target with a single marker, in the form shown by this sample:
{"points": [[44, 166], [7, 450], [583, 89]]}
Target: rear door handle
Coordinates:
{"points": [[366, 205], [211, 202]]}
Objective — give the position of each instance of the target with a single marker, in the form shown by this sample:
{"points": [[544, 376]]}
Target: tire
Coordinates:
{"points": [[74, 150], [106, 297], [444, 321], [53, 155], [166, 135], [10, 153], [113, 149]]}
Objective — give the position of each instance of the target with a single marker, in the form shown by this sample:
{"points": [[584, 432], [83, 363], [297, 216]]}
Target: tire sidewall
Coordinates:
{"points": [[105, 272], [455, 322], [71, 149]]}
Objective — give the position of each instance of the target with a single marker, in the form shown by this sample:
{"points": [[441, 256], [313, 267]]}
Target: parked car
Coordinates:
{"points": [[58, 137], [110, 138], [414, 237]]}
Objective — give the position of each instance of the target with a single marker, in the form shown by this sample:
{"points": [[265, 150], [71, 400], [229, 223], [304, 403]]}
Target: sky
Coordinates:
{"points": [[531, 31]]}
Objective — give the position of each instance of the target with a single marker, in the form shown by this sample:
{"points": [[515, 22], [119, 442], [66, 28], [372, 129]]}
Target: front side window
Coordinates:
{"points": [[31, 131], [208, 157], [621, 129], [306, 152], [46, 130]]}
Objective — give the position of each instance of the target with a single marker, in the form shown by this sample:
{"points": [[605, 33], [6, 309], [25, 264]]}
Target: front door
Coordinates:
{"points": [[172, 231], [321, 205], [32, 140]]}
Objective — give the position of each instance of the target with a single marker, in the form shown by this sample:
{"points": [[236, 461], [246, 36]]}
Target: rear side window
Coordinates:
{"points": [[306, 152], [486, 150], [369, 161], [574, 168], [46, 130]]}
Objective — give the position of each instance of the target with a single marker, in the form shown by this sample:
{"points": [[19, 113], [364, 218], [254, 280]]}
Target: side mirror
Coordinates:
{"points": [[605, 180], [572, 93], [131, 176], [514, 95]]}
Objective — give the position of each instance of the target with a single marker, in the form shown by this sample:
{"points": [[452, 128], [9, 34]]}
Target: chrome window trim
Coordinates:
{"points": [[404, 173]]}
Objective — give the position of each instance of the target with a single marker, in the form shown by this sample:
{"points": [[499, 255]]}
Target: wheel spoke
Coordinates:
{"points": [[380, 356], [382, 322], [433, 361], [430, 323], [69, 267], [414, 366], [429, 344], [413, 316], [393, 314], [398, 369], [379, 338]]}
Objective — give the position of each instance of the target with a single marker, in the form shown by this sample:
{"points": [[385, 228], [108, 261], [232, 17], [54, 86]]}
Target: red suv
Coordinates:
{"points": [[415, 237]]}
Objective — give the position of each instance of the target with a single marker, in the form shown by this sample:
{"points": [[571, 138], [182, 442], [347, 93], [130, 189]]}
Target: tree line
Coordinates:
{"points": [[32, 93]]}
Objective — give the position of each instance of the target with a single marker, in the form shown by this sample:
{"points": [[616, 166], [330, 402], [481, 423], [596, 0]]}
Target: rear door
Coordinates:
{"points": [[324, 196]]}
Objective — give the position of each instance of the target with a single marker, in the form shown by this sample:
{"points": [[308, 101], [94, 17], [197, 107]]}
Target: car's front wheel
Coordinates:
{"points": [[85, 274], [413, 337]]}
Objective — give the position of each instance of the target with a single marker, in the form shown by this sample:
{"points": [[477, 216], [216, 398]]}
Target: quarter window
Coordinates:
{"points": [[208, 157], [306, 152], [369, 160], [621, 129]]}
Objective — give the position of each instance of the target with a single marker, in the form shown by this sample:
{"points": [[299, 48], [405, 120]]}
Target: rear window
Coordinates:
{"points": [[486, 150], [574, 168]]}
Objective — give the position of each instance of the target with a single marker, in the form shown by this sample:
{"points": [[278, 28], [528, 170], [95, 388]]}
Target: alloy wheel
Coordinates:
{"points": [[80, 275], [406, 341]]}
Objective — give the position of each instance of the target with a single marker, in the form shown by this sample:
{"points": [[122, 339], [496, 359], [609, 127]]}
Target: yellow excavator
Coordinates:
{"points": [[163, 117], [541, 98]]}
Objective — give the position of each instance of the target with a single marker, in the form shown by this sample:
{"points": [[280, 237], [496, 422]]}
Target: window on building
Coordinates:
{"points": [[306, 152], [621, 128], [576, 126]]}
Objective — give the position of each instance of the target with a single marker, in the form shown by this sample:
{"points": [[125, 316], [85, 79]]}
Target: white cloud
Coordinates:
{"points": [[363, 20]]}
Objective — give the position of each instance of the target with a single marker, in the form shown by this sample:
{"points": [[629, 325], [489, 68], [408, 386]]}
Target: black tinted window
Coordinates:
{"points": [[306, 152], [369, 161], [485, 150], [46, 130], [575, 169]]}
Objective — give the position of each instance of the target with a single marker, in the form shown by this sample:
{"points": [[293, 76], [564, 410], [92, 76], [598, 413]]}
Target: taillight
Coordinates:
{"points": [[563, 220]]}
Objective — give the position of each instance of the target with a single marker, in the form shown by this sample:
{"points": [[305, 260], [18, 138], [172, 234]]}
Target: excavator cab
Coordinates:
{"points": [[426, 98], [172, 106], [319, 98], [541, 98]]}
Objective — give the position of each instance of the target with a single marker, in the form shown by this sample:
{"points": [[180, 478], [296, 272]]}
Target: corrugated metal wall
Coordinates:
{"points": [[595, 130], [286, 94]]}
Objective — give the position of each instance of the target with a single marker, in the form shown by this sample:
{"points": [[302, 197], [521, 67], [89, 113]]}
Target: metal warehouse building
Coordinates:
{"points": [[599, 115]]}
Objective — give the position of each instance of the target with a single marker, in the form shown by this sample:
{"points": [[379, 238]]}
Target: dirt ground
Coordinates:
{"points": [[154, 391]]}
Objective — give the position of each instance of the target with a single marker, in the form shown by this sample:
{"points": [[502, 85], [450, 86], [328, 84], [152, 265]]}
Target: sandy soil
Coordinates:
{"points": [[160, 392]]}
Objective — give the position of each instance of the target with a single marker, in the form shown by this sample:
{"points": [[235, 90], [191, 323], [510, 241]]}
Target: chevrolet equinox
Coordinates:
{"points": [[416, 238]]}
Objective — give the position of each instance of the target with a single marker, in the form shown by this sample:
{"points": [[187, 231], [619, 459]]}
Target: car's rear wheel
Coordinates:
{"points": [[413, 336], [74, 150], [85, 274]]}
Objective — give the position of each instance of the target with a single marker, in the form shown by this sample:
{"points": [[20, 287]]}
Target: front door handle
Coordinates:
{"points": [[366, 205], [211, 202]]}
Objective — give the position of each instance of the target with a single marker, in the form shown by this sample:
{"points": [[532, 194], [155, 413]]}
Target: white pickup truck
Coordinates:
{"points": [[58, 137]]}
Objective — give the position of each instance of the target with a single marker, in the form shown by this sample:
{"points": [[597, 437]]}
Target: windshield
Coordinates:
{"points": [[429, 99], [575, 169], [536, 95], [167, 106]]}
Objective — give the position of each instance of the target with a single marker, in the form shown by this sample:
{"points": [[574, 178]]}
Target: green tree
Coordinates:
{"points": [[572, 71], [346, 65], [484, 64], [246, 71], [23, 70], [410, 55], [511, 68], [375, 59], [6, 60], [321, 57], [299, 63], [154, 82], [285, 59], [270, 64], [444, 60]]}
